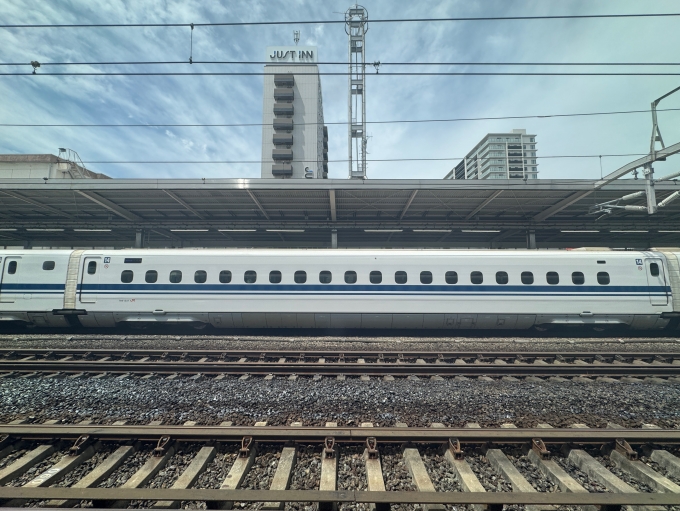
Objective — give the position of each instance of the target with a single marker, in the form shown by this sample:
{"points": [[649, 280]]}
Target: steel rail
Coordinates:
{"points": [[334, 369], [350, 496], [88, 436], [330, 353], [341, 434]]}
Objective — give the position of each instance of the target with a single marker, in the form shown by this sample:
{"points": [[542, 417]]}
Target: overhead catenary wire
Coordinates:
{"points": [[329, 73], [395, 121], [334, 63], [334, 22], [451, 158]]}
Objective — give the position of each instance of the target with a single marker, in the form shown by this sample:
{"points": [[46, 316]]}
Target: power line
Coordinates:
{"points": [[325, 73], [331, 22], [403, 121], [201, 162], [333, 63]]}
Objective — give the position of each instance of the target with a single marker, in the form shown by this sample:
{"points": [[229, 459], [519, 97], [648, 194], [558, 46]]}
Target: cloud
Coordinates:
{"points": [[238, 100]]}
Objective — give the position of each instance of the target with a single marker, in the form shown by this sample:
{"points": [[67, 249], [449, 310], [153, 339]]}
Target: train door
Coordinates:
{"points": [[656, 281], [89, 281], [10, 275]]}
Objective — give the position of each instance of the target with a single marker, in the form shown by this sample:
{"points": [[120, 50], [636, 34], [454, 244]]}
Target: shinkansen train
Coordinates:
{"points": [[408, 289]]}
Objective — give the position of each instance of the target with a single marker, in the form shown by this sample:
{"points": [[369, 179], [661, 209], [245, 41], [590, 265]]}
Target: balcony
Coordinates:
{"points": [[283, 124], [284, 109], [284, 93], [284, 80], [283, 139], [282, 155], [282, 170]]}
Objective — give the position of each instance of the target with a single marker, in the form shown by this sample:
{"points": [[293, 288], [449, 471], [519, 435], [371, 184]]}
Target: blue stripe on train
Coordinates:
{"points": [[371, 288], [350, 289], [40, 287]]}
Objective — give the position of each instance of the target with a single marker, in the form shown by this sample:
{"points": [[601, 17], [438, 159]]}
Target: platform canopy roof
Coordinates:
{"points": [[305, 213]]}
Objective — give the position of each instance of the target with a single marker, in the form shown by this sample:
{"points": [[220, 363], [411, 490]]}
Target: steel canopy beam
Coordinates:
{"points": [[183, 203], [408, 204], [668, 151], [484, 204], [166, 233], [37, 204], [111, 206], [257, 203], [334, 211]]}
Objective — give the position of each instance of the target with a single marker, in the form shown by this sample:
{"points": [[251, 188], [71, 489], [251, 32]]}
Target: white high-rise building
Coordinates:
{"points": [[294, 138], [500, 156]]}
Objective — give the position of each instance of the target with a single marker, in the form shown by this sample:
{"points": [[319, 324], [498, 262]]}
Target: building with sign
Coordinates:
{"points": [[43, 166], [500, 156], [294, 138]]}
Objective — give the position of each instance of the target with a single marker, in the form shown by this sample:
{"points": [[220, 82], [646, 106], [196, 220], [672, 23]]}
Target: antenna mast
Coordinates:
{"points": [[356, 26]]}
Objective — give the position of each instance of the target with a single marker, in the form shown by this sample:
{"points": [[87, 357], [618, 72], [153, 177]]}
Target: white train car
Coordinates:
{"points": [[32, 286], [418, 289]]}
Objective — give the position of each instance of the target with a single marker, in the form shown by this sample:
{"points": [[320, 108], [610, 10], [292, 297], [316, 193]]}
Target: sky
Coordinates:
{"points": [[433, 147]]}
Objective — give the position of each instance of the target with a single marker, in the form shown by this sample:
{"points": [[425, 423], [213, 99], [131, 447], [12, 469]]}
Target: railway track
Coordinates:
{"points": [[315, 363], [223, 465]]}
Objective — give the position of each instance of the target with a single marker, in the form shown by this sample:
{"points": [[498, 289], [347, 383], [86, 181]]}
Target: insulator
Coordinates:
{"points": [[669, 199], [635, 208], [632, 196], [669, 176]]}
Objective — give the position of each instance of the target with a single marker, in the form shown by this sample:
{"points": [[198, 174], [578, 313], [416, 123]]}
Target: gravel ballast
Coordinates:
{"points": [[281, 401], [520, 341]]}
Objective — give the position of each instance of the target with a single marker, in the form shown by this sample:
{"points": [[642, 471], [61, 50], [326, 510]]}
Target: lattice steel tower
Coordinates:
{"points": [[356, 26]]}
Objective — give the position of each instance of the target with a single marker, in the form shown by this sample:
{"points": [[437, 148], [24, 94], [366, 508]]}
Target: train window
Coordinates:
{"points": [[375, 277], [200, 276], [151, 276], [501, 277], [48, 265], [552, 277], [225, 277], [400, 277], [602, 278], [426, 277], [126, 276], [527, 277], [578, 278], [275, 277], [325, 277], [451, 277], [476, 277], [12, 267], [350, 277], [175, 277], [250, 277], [300, 277], [92, 267], [654, 269]]}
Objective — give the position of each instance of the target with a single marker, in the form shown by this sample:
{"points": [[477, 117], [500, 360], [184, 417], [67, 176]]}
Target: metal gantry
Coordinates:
{"points": [[646, 163], [356, 26]]}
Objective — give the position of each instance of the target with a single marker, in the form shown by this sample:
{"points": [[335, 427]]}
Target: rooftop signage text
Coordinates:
{"points": [[291, 54]]}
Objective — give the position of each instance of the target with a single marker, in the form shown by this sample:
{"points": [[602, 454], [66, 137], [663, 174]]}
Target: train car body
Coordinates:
{"points": [[415, 289], [32, 286]]}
